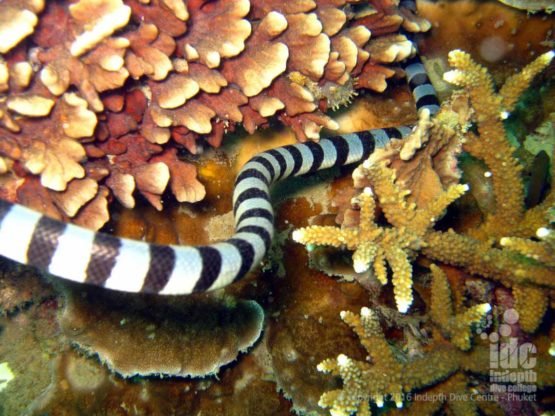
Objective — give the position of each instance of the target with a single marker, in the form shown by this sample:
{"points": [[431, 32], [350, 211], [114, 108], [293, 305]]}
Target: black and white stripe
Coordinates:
{"points": [[81, 255], [423, 92], [419, 83]]}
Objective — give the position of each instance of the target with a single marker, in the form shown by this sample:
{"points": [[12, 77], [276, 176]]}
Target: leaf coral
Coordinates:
{"points": [[17, 20], [154, 77]]}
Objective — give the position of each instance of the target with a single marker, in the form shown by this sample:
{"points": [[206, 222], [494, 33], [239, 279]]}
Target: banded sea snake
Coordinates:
{"points": [[85, 256]]}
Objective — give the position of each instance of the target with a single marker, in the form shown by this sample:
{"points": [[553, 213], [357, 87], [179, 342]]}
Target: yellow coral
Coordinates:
{"points": [[509, 220], [440, 368], [412, 223], [387, 375], [515, 85], [374, 245], [531, 303], [491, 145], [456, 326], [541, 251], [480, 258]]}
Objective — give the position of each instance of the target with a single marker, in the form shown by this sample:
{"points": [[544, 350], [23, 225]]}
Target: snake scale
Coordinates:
{"points": [[81, 255]]}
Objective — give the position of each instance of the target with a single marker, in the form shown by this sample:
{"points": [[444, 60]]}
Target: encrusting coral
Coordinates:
{"points": [[193, 337], [110, 92], [487, 250]]}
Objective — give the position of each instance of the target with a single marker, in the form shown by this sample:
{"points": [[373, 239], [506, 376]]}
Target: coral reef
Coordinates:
{"points": [[30, 345], [377, 246], [456, 326], [385, 374], [510, 217], [511, 243], [304, 330], [20, 288], [278, 375], [484, 250], [100, 99], [58, 339]]}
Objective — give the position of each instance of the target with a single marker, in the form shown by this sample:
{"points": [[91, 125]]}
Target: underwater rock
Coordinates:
{"points": [[29, 344], [305, 329], [20, 287]]}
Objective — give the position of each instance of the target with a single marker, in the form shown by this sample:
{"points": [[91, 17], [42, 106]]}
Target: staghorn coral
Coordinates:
{"points": [[383, 376], [542, 251], [387, 374], [484, 250], [509, 218], [153, 82], [521, 260], [374, 245], [456, 326]]}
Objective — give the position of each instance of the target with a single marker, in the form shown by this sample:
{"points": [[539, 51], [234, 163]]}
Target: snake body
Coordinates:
{"points": [[100, 259]]}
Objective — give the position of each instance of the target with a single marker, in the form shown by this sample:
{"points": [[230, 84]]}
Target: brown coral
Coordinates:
{"points": [[193, 338], [151, 81], [65, 62], [49, 147], [226, 41]]}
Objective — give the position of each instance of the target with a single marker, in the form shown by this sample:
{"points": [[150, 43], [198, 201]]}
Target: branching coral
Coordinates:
{"points": [[154, 76], [488, 249], [512, 245], [389, 374], [510, 224], [456, 326], [374, 245], [384, 375], [491, 145]]}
